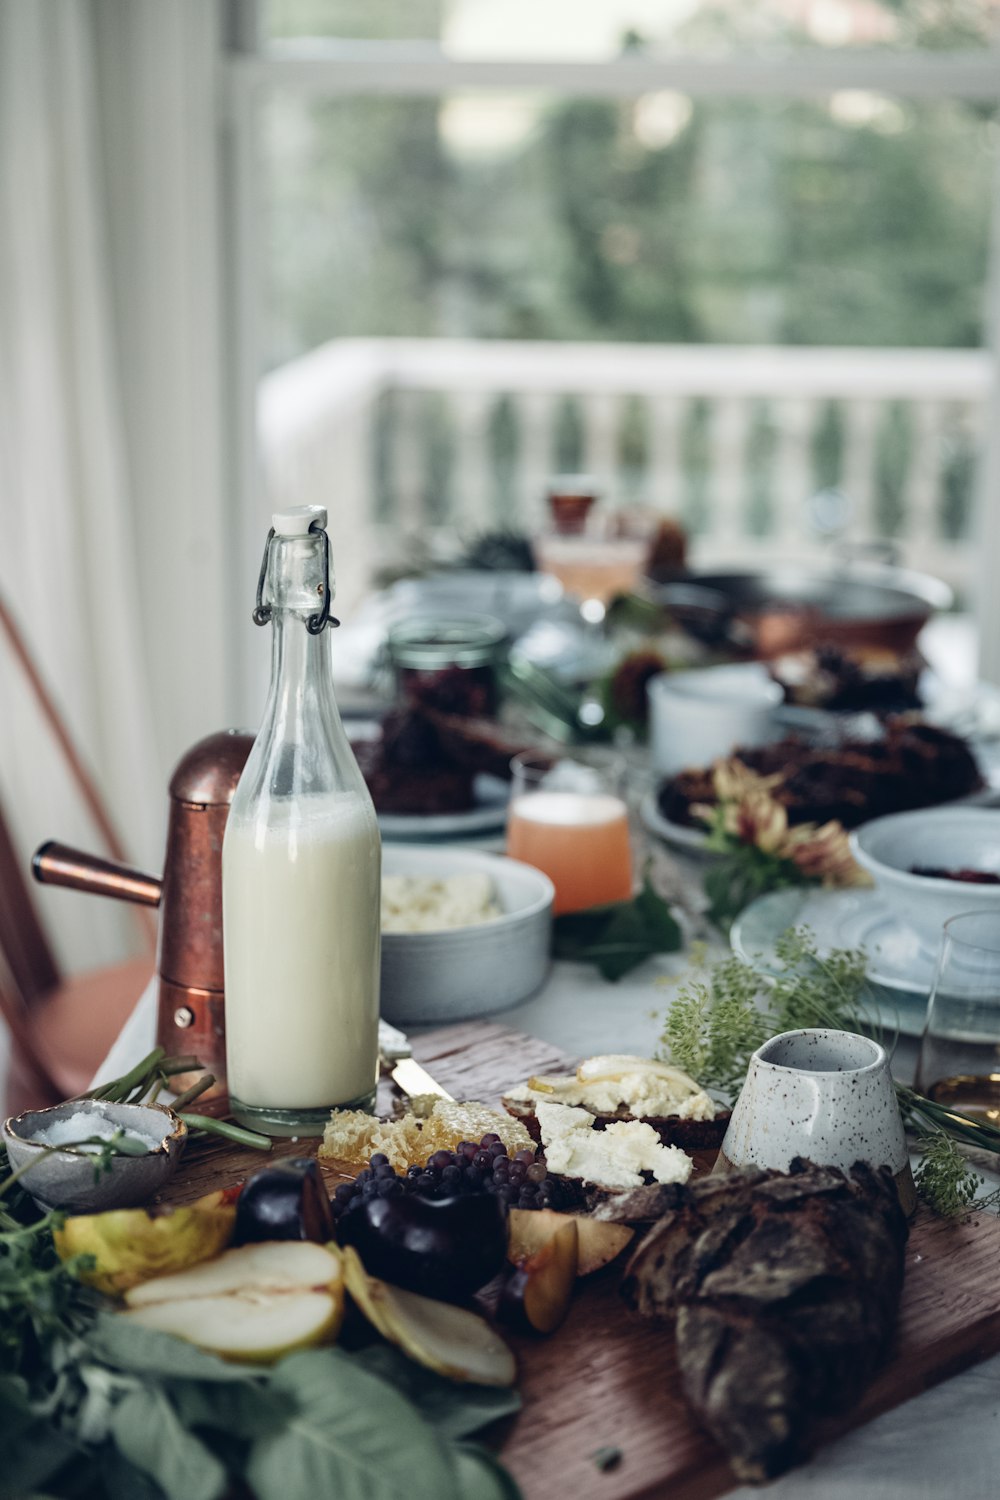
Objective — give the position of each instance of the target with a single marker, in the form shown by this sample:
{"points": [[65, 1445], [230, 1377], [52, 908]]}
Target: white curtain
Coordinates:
{"points": [[111, 496]]}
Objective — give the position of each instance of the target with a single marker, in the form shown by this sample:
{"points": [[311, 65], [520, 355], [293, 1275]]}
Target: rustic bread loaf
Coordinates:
{"points": [[784, 1290]]}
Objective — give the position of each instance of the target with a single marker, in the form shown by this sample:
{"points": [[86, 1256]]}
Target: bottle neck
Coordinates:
{"points": [[301, 673]]}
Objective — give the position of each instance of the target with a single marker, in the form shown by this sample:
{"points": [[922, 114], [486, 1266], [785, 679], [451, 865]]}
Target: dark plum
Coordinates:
{"points": [[288, 1201], [445, 1248]]}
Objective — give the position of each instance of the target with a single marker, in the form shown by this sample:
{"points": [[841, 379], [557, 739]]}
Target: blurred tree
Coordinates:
{"points": [[853, 220]]}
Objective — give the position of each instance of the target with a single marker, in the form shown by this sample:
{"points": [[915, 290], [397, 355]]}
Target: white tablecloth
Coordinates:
{"points": [[945, 1443]]}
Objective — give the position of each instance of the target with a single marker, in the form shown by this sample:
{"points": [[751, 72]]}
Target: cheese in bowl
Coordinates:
{"points": [[464, 933], [435, 903]]}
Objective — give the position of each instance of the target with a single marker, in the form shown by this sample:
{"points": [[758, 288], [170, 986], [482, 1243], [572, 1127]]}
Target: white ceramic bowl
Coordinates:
{"points": [[696, 717], [943, 838], [463, 972]]}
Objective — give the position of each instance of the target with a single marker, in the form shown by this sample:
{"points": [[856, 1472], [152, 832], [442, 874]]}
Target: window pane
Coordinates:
{"points": [[597, 29], [858, 220]]}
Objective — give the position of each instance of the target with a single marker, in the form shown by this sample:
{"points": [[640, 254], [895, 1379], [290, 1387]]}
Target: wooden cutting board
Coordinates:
{"points": [[608, 1378]]}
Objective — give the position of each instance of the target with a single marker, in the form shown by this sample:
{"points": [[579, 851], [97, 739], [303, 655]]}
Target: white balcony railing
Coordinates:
{"points": [[404, 436]]}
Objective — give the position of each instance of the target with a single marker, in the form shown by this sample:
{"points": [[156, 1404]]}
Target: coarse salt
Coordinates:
{"points": [[83, 1124]]}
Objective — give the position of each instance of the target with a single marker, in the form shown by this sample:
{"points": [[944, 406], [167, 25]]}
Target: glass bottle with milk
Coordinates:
{"points": [[301, 869]]}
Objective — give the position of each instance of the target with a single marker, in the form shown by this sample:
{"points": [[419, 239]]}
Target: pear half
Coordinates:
{"points": [[254, 1304], [130, 1245], [450, 1340]]}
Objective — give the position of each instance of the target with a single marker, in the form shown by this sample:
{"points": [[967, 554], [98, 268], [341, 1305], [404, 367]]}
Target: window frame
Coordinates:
{"points": [[251, 64]]}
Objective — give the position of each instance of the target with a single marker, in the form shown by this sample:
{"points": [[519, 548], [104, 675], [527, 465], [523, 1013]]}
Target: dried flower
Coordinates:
{"points": [[824, 854]]}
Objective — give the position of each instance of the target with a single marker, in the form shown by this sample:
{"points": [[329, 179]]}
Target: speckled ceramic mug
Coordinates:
{"points": [[824, 1095]]}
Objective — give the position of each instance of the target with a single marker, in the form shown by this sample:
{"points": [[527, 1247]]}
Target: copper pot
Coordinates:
{"points": [[765, 614], [191, 1015]]}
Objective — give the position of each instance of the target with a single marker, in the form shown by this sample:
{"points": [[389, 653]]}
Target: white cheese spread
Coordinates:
{"points": [[645, 1088], [615, 1157]]}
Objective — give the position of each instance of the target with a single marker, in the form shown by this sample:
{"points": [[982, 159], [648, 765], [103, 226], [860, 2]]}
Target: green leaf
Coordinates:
{"points": [[122, 1479], [481, 1476], [618, 937], [32, 1456], [660, 922], [455, 1410], [243, 1411], [146, 1351], [149, 1433], [352, 1437]]}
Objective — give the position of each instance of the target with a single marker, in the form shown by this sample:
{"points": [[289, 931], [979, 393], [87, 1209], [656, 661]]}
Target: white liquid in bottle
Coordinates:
{"points": [[304, 1033]]}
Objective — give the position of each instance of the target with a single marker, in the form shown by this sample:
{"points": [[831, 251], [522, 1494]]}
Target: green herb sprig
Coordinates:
{"points": [[944, 1179], [144, 1083], [716, 1022]]}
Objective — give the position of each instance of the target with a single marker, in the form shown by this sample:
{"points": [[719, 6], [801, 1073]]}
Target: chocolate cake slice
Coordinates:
{"points": [[914, 765]]}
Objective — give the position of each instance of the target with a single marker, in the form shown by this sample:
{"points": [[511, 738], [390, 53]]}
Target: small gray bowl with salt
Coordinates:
{"points": [[71, 1180]]}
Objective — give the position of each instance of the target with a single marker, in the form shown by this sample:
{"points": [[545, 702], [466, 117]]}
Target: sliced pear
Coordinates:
{"points": [[129, 1245], [449, 1340], [256, 1303], [598, 1244], [248, 1326], [537, 1294], [269, 1267]]}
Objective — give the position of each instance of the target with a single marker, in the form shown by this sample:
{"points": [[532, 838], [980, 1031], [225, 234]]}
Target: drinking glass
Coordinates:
{"points": [[570, 821], [959, 1062]]}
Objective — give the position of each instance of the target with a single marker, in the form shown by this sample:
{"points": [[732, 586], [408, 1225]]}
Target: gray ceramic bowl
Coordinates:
{"points": [[66, 1180], [464, 972], [948, 838]]}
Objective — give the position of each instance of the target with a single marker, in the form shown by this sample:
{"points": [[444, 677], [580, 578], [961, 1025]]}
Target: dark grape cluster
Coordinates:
{"points": [[519, 1181]]}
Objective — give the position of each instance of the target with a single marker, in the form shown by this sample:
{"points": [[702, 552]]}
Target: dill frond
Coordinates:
{"points": [[944, 1179], [712, 1027]]}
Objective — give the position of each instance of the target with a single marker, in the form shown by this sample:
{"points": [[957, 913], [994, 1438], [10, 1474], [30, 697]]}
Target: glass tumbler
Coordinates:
{"points": [[570, 821], [959, 1063]]}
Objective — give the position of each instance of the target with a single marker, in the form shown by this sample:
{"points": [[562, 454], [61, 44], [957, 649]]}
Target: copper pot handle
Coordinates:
{"points": [[58, 864]]}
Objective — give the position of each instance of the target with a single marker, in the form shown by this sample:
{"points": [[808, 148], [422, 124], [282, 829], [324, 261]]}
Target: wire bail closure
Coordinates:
{"points": [[317, 623]]}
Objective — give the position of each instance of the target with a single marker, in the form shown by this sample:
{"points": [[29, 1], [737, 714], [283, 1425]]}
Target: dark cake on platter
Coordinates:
{"points": [[913, 765]]}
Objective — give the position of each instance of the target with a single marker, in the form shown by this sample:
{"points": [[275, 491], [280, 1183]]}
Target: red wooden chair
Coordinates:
{"points": [[60, 1027]]}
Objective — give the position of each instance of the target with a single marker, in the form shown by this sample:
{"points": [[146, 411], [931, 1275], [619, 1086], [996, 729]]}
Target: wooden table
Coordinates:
{"points": [[609, 1379]]}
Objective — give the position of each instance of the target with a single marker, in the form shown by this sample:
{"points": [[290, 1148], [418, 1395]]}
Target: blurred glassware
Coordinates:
{"points": [[571, 822], [571, 498], [696, 717], [449, 664], [959, 1063]]}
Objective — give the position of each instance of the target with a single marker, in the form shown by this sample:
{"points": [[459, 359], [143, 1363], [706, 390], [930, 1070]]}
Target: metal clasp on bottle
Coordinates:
{"points": [[317, 623]]}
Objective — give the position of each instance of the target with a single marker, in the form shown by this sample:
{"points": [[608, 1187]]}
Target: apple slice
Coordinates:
{"points": [[256, 1303], [449, 1340], [539, 1084], [528, 1229], [613, 1067], [536, 1296], [131, 1244]]}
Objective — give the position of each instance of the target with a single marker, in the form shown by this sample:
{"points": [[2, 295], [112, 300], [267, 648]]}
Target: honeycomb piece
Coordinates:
{"points": [[450, 1123], [351, 1137]]}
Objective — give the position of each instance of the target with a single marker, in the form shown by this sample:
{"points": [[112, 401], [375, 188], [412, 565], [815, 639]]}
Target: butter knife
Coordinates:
{"points": [[411, 1079], [407, 1074]]}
